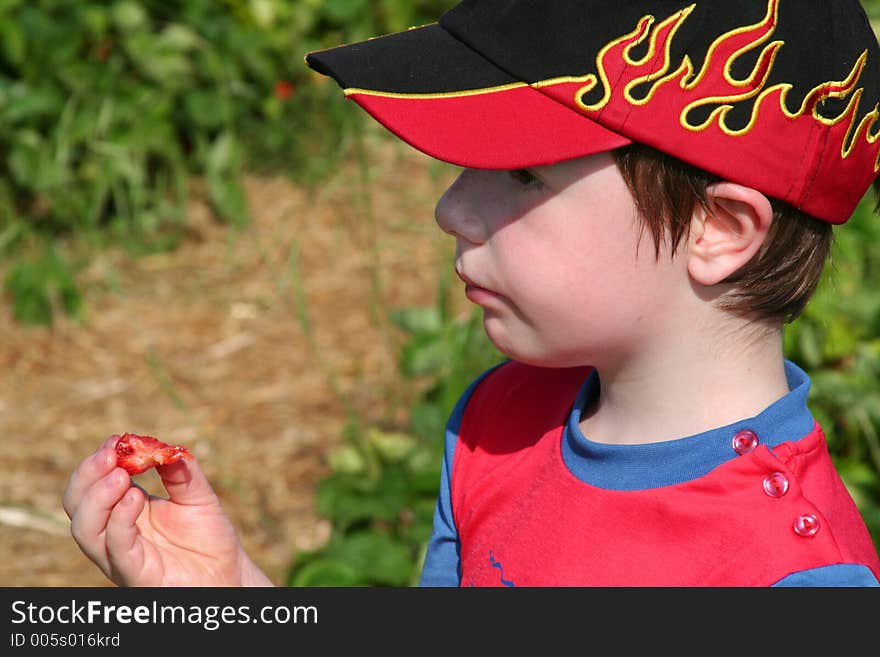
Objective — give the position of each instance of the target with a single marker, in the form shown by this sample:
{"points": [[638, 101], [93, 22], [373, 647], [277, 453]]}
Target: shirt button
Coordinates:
{"points": [[745, 441], [807, 525], [776, 484]]}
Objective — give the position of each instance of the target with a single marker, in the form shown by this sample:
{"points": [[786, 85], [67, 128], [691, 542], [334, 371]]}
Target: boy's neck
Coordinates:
{"points": [[672, 393]]}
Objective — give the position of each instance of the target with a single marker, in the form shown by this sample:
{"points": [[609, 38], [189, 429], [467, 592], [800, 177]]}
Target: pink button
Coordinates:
{"points": [[807, 525], [776, 484], [745, 441]]}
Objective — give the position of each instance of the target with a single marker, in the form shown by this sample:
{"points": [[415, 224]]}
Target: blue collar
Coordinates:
{"points": [[652, 465]]}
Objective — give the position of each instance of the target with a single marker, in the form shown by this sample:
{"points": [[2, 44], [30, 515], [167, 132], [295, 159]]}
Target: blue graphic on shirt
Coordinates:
{"points": [[497, 564]]}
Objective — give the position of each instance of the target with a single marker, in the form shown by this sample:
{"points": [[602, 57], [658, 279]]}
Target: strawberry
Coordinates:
{"points": [[140, 453]]}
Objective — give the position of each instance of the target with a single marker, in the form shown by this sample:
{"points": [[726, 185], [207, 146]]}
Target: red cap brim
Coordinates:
{"points": [[507, 128], [446, 100]]}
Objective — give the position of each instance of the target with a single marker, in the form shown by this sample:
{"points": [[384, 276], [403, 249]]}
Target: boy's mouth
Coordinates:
{"points": [[480, 296], [475, 293], [465, 279]]}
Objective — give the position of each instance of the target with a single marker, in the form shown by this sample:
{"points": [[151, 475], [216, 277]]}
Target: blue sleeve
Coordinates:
{"points": [[843, 574], [443, 558]]}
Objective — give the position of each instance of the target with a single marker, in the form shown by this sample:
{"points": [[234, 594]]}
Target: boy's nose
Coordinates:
{"points": [[456, 211]]}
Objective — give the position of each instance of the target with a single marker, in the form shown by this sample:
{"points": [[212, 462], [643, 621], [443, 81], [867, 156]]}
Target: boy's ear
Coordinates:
{"points": [[729, 233]]}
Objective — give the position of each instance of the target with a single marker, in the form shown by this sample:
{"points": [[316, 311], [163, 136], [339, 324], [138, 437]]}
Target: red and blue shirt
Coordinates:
{"points": [[527, 500]]}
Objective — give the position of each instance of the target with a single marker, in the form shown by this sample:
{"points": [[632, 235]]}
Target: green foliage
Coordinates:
{"points": [[41, 285], [447, 352], [872, 8], [381, 494], [380, 498], [837, 342], [109, 109]]}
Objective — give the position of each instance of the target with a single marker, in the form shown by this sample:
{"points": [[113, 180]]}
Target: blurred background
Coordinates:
{"points": [[200, 241]]}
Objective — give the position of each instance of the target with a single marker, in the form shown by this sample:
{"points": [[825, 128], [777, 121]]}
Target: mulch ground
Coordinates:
{"points": [[247, 346]]}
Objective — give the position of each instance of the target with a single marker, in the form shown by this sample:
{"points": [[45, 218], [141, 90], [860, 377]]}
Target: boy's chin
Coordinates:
{"points": [[530, 354]]}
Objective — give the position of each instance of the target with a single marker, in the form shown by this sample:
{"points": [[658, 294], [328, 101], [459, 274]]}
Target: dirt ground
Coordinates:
{"points": [[245, 346]]}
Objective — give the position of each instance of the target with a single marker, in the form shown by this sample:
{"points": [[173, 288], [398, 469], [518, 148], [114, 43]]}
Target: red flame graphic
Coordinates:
{"points": [[653, 100]]}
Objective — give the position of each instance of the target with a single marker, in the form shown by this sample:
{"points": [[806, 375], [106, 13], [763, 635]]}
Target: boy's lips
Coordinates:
{"points": [[474, 292]]}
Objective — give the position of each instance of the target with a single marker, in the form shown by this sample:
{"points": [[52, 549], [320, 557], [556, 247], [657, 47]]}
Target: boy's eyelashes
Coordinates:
{"points": [[524, 177]]}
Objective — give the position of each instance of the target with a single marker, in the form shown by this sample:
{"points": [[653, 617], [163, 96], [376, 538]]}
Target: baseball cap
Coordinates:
{"points": [[778, 95]]}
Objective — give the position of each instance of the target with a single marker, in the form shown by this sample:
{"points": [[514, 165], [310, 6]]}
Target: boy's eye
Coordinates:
{"points": [[524, 177]]}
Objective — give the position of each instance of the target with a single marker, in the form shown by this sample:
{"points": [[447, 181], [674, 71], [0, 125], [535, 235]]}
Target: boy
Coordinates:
{"points": [[648, 197]]}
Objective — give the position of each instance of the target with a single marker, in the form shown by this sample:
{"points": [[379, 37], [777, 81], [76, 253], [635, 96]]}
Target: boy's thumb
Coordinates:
{"points": [[186, 483]]}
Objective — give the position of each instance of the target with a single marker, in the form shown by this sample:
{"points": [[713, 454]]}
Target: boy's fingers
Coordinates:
{"points": [[186, 483], [124, 551], [86, 474], [90, 515]]}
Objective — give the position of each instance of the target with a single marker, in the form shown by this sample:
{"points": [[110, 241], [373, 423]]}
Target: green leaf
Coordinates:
{"points": [[326, 572], [391, 447], [164, 65], [423, 354], [129, 16], [207, 110], [25, 159], [6, 6], [223, 154], [178, 37], [840, 341], [420, 319], [223, 180], [29, 104], [424, 467], [350, 500], [12, 42], [347, 460], [40, 285], [377, 556], [228, 199], [400, 14], [428, 419], [345, 11], [810, 346], [95, 19], [422, 526]]}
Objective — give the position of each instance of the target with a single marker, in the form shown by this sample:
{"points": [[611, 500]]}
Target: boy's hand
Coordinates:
{"points": [[141, 540]]}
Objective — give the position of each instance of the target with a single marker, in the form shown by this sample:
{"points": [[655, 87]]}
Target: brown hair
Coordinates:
{"points": [[778, 281]]}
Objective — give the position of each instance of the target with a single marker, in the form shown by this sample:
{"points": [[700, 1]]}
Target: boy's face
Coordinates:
{"points": [[553, 256]]}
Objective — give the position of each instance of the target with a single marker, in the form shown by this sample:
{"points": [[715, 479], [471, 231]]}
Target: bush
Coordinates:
{"points": [[837, 342], [381, 493], [109, 109]]}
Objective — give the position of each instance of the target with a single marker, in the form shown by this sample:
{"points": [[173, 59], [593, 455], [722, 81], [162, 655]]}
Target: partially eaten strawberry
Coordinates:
{"points": [[140, 453]]}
